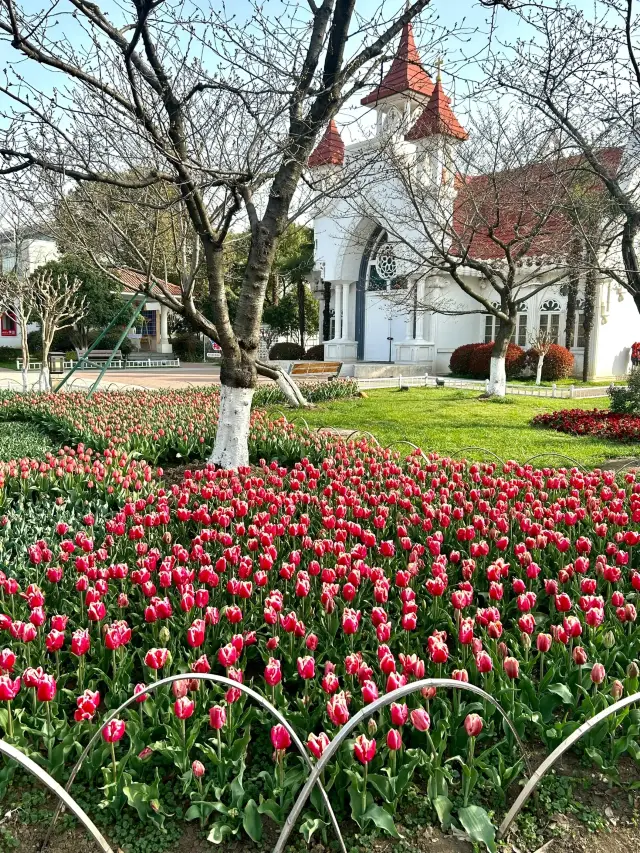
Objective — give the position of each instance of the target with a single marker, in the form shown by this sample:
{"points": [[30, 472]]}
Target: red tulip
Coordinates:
{"points": [[399, 713], [543, 643], [217, 717], [394, 739], [598, 673], [364, 749], [318, 743], [484, 662], [579, 656], [184, 708], [473, 725], [306, 667], [114, 731], [54, 640], [9, 688], [337, 709], [46, 689], [420, 720], [156, 658], [280, 737], [197, 768], [511, 667], [273, 672]]}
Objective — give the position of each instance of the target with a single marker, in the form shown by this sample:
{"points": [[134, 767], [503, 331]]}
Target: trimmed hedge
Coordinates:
{"points": [[315, 353], [480, 361], [558, 363], [459, 361], [286, 350]]}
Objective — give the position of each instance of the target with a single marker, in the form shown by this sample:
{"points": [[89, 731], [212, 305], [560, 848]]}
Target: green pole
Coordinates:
{"points": [[83, 359], [107, 363]]}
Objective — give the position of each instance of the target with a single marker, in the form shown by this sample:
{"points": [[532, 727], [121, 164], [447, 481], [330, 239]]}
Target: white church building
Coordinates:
{"points": [[373, 305]]}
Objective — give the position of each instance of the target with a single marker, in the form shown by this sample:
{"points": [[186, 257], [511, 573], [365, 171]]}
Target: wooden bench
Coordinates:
{"points": [[98, 357], [315, 368]]}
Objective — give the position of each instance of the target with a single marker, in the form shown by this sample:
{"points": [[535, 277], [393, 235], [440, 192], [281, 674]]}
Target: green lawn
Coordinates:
{"points": [[22, 439], [449, 420]]}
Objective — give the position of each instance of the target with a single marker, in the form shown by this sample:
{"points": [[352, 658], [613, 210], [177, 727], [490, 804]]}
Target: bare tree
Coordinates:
{"points": [[485, 209], [541, 342], [17, 302], [581, 71], [217, 114], [57, 304]]}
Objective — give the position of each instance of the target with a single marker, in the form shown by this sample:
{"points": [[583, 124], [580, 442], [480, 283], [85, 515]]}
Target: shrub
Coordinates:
{"points": [[459, 361], [286, 350], [62, 341], [480, 361], [315, 353], [187, 346], [110, 341], [558, 363], [626, 399]]}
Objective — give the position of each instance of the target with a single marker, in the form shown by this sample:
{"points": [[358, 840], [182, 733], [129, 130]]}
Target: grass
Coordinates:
{"points": [[449, 420], [22, 439]]}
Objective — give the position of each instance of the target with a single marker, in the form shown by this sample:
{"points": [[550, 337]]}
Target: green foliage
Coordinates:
{"points": [[626, 399], [18, 440], [284, 318], [102, 296], [315, 353], [286, 350], [187, 346]]}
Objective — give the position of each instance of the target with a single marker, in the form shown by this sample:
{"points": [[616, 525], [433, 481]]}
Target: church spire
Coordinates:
{"points": [[406, 73], [330, 150], [437, 117]]}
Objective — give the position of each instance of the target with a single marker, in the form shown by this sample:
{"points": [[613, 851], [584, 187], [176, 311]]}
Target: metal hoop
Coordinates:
{"points": [[365, 712], [550, 760], [58, 790], [216, 679], [410, 443], [484, 450], [359, 432], [560, 455]]}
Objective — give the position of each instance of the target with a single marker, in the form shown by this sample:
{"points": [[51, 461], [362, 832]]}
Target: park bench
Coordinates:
{"points": [[315, 368], [98, 357]]}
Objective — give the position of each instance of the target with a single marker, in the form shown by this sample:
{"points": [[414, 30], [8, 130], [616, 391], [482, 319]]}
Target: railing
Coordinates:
{"points": [[561, 392], [37, 365]]}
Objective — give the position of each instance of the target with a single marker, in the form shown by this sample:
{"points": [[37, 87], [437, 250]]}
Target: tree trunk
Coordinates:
{"points": [[25, 359], [572, 298], [590, 293], [237, 384], [301, 313], [45, 379], [539, 368], [498, 371]]}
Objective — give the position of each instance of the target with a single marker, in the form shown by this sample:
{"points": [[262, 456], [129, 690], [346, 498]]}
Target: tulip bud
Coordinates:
{"points": [[598, 673], [372, 727], [617, 689], [197, 768], [526, 641], [394, 739], [164, 636], [632, 670], [473, 725], [609, 640]]}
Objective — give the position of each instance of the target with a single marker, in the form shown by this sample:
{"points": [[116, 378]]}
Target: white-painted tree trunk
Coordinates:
{"points": [[44, 380], [25, 379], [498, 377], [539, 369], [231, 448]]}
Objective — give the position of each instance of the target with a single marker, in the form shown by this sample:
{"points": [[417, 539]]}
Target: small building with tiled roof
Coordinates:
{"points": [[151, 331], [377, 292]]}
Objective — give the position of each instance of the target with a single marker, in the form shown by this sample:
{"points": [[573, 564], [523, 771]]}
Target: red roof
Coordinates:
{"points": [[406, 73], [135, 282], [437, 118], [517, 208], [330, 149]]}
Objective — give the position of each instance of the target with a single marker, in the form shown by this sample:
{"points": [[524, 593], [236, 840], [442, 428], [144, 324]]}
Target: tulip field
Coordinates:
{"points": [[323, 576]]}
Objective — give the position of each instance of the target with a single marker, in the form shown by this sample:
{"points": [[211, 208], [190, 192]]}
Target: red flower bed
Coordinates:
{"points": [[325, 585], [599, 422]]}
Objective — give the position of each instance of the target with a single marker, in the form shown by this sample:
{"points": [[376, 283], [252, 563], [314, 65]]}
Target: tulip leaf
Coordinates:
{"points": [[251, 821], [219, 832], [382, 820], [478, 826], [443, 807], [271, 808], [383, 786], [563, 692], [311, 824]]}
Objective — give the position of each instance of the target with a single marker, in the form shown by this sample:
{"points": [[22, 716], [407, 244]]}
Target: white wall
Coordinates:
{"points": [[614, 336]]}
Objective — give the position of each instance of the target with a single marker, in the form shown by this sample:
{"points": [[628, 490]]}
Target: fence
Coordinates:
{"points": [[37, 365], [565, 392]]}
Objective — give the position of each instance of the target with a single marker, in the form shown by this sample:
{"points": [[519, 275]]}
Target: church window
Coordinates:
{"points": [[579, 331], [521, 324], [383, 268], [550, 319]]}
